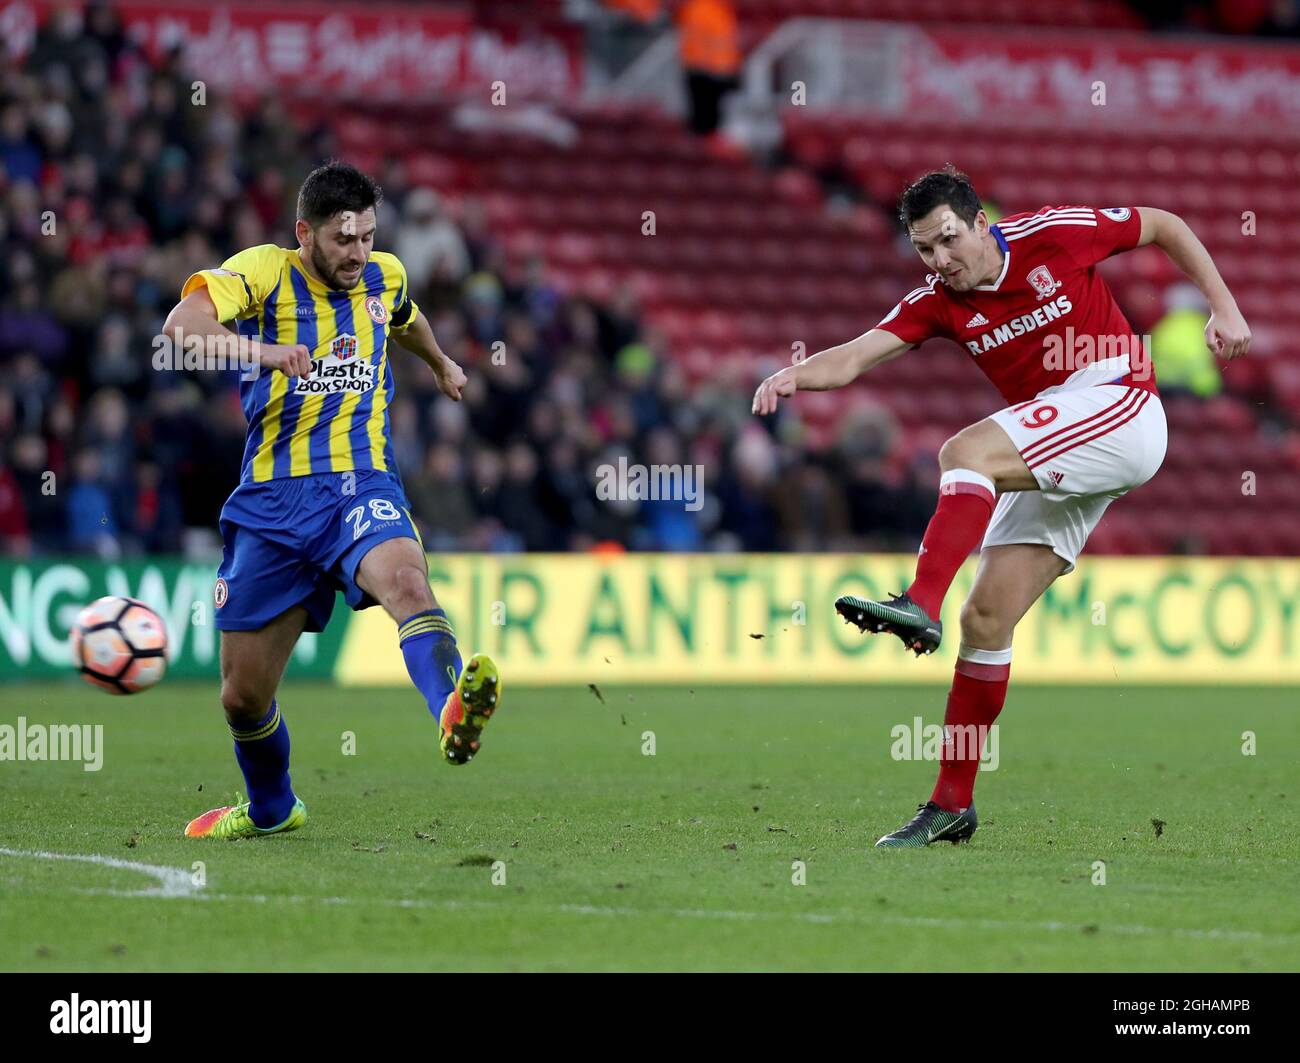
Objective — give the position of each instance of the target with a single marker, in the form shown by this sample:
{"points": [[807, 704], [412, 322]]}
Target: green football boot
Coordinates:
{"points": [[468, 708], [932, 824], [233, 822], [900, 615]]}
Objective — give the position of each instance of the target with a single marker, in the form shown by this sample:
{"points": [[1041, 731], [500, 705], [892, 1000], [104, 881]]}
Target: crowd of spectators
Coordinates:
{"points": [[115, 184]]}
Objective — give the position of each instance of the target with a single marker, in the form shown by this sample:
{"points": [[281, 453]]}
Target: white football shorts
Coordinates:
{"points": [[1086, 447]]}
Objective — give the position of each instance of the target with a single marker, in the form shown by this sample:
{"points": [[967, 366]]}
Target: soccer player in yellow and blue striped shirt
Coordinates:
{"points": [[320, 505]]}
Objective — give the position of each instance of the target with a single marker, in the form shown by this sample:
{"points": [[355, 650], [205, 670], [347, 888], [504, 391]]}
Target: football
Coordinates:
{"points": [[119, 645]]}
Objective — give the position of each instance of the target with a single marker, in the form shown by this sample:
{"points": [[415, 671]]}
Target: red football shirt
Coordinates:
{"points": [[1048, 321]]}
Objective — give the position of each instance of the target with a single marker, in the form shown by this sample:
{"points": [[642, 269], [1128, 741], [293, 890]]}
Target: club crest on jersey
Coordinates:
{"points": [[344, 346], [377, 310], [1041, 280]]}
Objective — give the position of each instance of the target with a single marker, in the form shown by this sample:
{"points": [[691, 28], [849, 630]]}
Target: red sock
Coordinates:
{"points": [[979, 687], [957, 527]]}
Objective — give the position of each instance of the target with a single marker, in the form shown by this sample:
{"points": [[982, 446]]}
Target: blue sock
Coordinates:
{"points": [[263, 755], [429, 646]]}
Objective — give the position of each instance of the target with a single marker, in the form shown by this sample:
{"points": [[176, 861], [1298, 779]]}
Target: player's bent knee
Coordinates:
{"points": [[243, 703], [984, 626], [951, 453], [410, 588], [962, 451]]}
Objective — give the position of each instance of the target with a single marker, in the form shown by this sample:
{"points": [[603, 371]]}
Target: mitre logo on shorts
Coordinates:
{"points": [[377, 310], [338, 372], [220, 592], [1041, 280]]}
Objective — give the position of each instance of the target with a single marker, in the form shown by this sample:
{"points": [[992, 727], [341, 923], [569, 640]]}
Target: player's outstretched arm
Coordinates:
{"points": [[1227, 333], [196, 315], [831, 368], [418, 338]]}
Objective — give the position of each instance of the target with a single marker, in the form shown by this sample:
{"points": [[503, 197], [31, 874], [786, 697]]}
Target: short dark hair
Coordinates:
{"points": [[336, 187], [938, 187]]}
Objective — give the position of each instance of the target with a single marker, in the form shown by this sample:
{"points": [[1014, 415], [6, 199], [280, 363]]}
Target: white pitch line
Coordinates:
{"points": [[821, 918], [177, 883], [172, 881]]}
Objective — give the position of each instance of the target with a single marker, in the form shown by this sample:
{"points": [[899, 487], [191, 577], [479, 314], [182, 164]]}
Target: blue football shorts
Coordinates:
{"points": [[298, 540]]}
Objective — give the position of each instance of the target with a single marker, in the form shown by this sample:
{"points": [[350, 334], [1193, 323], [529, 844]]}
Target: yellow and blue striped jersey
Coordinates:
{"points": [[336, 420]]}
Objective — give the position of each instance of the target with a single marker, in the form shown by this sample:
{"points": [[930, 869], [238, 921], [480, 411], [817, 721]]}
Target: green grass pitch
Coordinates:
{"points": [[613, 859]]}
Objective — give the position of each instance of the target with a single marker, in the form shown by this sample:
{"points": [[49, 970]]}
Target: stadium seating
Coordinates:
{"points": [[746, 262], [760, 17]]}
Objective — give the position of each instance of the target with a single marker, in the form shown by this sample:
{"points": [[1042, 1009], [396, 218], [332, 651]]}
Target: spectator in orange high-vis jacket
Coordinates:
{"points": [[710, 51]]}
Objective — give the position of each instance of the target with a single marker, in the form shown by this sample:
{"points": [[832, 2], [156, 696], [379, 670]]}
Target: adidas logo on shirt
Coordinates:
{"points": [[977, 321]]}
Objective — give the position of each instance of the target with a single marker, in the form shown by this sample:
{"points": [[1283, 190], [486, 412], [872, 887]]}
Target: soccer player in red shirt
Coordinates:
{"points": [[1083, 425]]}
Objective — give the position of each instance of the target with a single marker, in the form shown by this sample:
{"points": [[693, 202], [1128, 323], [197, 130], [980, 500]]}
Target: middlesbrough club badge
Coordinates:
{"points": [[220, 592], [1041, 280], [377, 310]]}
